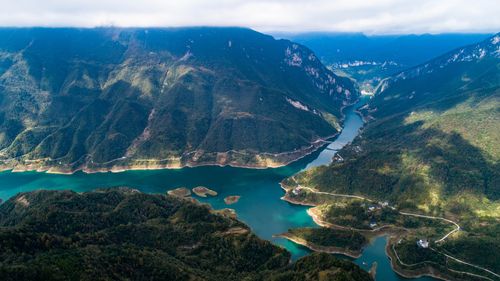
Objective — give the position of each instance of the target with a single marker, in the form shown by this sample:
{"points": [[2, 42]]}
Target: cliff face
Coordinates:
{"points": [[117, 98]]}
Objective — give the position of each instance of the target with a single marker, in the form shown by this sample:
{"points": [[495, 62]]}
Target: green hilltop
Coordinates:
{"points": [[123, 234]]}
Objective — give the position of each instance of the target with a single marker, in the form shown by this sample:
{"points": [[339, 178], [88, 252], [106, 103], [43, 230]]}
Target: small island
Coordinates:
{"points": [[204, 191], [179, 192], [231, 199]]}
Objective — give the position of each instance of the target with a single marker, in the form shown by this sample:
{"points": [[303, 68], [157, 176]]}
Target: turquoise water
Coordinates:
{"points": [[259, 206], [375, 252]]}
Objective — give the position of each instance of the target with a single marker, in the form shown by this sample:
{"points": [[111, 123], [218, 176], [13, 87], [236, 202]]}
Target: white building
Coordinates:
{"points": [[423, 243]]}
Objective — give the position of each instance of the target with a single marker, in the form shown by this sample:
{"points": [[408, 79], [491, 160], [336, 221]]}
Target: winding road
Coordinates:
{"points": [[436, 218], [456, 229]]}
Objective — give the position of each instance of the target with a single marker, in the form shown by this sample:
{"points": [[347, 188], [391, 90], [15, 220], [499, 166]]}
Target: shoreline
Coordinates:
{"points": [[390, 231], [41, 168], [317, 248], [301, 153], [385, 230], [409, 273]]}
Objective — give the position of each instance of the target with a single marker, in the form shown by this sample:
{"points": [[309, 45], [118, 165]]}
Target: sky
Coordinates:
{"points": [[368, 16]]}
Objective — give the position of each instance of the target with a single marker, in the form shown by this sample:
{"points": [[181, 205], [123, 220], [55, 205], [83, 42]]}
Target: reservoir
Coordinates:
{"points": [[260, 205]]}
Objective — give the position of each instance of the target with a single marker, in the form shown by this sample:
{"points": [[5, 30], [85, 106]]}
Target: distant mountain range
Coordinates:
{"points": [[369, 59], [111, 99], [432, 146], [406, 50]]}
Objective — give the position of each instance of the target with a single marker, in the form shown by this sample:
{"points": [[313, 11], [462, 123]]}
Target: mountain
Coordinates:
{"points": [[124, 234], [408, 50], [441, 117], [431, 146], [111, 98], [370, 58]]}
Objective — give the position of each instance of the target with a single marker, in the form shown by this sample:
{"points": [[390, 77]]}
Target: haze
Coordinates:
{"points": [[371, 17]]}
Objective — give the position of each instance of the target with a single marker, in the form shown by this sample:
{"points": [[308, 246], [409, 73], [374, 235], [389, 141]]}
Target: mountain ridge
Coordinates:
{"points": [[186, 96], [430, 148]]}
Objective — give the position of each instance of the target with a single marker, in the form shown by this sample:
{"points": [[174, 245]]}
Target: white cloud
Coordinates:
{"points": [[370, 16]]}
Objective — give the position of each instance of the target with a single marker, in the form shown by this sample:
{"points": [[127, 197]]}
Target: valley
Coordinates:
{"points": [[260, 206], [368, 59], [424, 169], [404, 181], [113, 99]]}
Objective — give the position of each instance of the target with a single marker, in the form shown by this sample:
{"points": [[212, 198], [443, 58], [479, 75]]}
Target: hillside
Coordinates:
{"points": [[111, 99], [124, 234], [408, 50], [370, 58], [431, 146]]}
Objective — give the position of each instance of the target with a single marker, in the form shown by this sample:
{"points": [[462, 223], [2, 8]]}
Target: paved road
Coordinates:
{"points": [[466, 263], [436, 218], [457, 228]]}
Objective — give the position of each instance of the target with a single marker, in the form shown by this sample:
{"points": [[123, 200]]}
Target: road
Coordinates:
{"points": [[456, 229], [466, 263]]}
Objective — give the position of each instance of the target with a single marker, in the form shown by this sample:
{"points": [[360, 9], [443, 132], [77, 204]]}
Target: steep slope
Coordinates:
{"points": [[442, 117], [368, 59], [407, 50], [432, 146], [124, 234], [100, 99]]}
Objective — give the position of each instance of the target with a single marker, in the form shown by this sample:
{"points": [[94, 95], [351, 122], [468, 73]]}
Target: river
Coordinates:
{"points": [[260, 205]]}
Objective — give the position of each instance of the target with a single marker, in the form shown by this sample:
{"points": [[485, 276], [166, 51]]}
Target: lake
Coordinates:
{"points": [[260, 205]]}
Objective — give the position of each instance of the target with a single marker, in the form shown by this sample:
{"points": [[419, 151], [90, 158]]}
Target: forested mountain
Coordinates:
{"points": [[432, 146], [370, 58], [433, 131], [123, 234], [110, 98], [407, 50]]}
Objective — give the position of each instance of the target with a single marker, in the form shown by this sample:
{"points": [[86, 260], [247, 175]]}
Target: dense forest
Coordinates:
{"points": [[124, 234]]}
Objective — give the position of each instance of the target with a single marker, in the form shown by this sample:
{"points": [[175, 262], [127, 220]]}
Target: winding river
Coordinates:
{"points": [[260, 205]]}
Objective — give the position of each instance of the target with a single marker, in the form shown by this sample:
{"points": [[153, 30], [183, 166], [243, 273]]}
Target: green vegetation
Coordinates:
{"points": [[431, 147], [480, 243], [368, 76], [125, 234], [325, 237], [368, 59], [415, 258], [111, 98], [322, 267], [366, 216]]}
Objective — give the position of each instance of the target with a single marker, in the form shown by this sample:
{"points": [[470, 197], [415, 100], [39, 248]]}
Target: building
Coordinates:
{"points": [[423, 243], [384, 204], [337, 158]]}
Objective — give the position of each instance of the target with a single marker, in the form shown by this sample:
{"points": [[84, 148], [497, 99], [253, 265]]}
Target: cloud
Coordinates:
{"points": [[369, 16]]}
